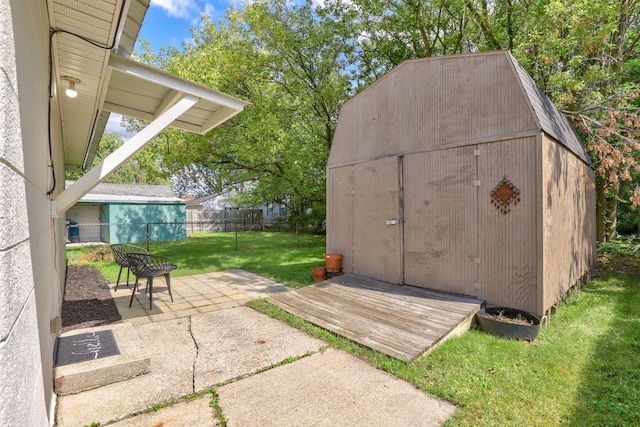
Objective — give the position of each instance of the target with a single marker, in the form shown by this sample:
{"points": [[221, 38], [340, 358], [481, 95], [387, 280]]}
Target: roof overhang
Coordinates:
{"points": [[90, 43], [137, 90]]}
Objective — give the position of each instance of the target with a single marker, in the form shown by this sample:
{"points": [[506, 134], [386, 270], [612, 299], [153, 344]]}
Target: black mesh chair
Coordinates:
{"points": [[146, 266], [120, 251]]}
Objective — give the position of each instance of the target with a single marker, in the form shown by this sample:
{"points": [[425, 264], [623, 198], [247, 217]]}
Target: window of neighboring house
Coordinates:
{"points": [[283, 210], [270, 209]]}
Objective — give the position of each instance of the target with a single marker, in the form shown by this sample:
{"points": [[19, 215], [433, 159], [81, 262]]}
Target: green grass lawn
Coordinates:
{"points": [[282, 257], [584, 370]]}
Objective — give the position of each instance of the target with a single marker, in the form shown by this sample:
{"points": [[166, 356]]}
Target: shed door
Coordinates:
{"points": [[377, 250], [441, 229]]}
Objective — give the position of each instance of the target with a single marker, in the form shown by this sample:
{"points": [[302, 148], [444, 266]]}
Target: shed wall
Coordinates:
{"points": [[439, 102], [508, 241], [568, 222], [131, 222], [340, 214]]}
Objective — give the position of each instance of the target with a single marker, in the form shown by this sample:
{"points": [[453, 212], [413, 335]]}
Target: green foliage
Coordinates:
{"points": [[143, 168], [289, 65], [623, 246]]}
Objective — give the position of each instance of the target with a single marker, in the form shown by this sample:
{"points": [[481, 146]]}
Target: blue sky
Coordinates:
{"points": [[167, 22]]}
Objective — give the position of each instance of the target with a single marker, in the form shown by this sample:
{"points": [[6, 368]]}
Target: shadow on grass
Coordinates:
{"points": [[609, 390]]}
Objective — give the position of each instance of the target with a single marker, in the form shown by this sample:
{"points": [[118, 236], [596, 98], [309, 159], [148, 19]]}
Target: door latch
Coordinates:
{"points": [[392, 222]]}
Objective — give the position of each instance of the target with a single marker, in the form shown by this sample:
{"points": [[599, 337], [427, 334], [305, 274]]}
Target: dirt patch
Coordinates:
{"points": [[87, 300]]}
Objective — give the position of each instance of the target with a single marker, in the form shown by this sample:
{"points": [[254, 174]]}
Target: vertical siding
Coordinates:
{"points": [[377, 251], [568, 221], [340, 214], [441, 224], [428, 103], [508, 249]]}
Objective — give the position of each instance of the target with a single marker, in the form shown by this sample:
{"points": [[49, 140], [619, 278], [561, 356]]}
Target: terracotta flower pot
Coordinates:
{"points": [[334, 262], [319, 273]]}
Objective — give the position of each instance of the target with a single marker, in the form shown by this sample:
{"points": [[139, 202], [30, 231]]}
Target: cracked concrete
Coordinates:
{"points": [[245, 351], [238, 342]]}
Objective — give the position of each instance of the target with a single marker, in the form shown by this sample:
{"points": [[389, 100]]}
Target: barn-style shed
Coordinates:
{"points": [[458, 174]]}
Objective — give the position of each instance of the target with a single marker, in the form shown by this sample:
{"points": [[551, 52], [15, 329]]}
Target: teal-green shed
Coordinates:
{"points": [[119, 213]]}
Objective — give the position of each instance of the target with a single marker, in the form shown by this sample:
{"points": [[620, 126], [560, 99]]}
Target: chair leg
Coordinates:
{"points": [[118, 281], [150, 284], [128, 270], [135, 285], [168, 280]]}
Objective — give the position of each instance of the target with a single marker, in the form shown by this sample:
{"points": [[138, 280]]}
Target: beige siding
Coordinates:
{"points": [[460, 124], [568, 221], [340, 214], [376, 249], [441, 220], [434, 102], [508, 250]]}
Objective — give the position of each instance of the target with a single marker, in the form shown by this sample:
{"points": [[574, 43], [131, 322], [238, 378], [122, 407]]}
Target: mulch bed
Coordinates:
{"points": [[87, 300]]}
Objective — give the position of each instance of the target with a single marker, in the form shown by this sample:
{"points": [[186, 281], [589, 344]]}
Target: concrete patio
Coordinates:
{"points": [[254, 370], [197, 294]]}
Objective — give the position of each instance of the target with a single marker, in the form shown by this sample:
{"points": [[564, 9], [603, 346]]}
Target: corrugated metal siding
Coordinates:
{"points": [[377, 253], [441, 229], [508, 250], [340, 214], [568, 221]]}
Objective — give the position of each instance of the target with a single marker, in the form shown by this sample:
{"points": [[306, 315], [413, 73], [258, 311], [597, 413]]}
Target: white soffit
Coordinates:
{"points": [[137, 90]]}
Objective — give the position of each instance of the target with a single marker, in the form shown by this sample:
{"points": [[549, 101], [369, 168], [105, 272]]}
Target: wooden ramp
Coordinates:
{"points": [[401, 321]]}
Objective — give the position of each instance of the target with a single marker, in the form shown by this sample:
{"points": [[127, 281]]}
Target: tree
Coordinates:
{"points": [[580, 52], [289, 63], [143, 168]]}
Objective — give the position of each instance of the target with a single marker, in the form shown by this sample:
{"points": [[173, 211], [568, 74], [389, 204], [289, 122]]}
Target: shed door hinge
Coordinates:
{"points": [[476, 152], [476, 183]]}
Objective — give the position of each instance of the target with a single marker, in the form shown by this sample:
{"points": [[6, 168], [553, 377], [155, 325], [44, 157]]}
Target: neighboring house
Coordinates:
{"points": [[119, 213], [457, 173], [217, 202], [49, 47]]}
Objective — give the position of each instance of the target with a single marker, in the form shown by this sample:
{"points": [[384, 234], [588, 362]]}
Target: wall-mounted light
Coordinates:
{"points": [[71, 89]]}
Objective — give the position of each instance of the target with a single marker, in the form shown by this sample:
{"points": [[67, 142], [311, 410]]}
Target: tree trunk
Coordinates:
{"points": [[612, 211], [601, 209]]}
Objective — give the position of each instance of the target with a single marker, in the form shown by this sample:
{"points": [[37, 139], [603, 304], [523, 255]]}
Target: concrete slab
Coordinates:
{"points": [[241, 341], [131, 362], [184, 414], [329, 389], [172, 352]]}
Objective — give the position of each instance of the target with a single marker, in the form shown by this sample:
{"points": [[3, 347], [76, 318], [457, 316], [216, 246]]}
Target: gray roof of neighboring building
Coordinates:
{"points": [[108, 192]]}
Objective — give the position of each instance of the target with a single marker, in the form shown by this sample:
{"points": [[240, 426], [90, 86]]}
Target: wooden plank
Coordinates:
{"points": [[369, 314], [351, 330], [402, 322], [408, 315], [410, 302]]}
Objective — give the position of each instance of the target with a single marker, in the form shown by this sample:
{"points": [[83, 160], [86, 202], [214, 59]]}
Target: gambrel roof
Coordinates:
{"points": [[440, 102]]}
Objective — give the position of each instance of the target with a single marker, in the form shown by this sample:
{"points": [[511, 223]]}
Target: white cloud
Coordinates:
{"points": [[210, 10], [178, 8], [114, 125]]}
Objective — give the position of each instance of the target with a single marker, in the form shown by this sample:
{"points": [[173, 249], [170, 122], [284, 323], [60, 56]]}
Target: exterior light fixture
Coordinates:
{"points": [[71, 91]]}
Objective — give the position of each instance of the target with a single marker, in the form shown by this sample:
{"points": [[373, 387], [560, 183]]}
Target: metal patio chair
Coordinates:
{"points": [[120, 251], [146, 266]]}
